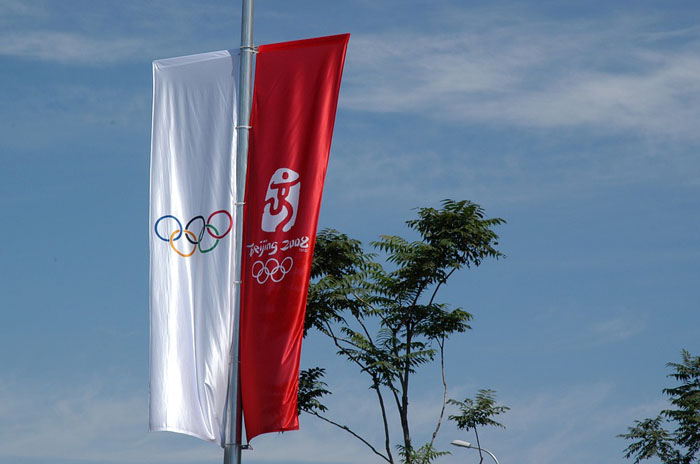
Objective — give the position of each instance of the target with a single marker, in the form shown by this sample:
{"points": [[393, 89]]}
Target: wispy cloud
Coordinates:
{"points": [[572, 424], [86, 423], [90, 424], [569, 327], [552, 426], [11, 9], [610, 75], [568, 108], [42, 31], [63, 112], [619, 328], [67, 47], [96, 36], [565, 415]]}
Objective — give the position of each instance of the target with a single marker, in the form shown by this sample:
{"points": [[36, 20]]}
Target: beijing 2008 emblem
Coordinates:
{"points": [[279, 214], [281, 201]]}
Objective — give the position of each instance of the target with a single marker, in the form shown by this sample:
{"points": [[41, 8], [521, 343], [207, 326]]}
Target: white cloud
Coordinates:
{"points": [[68, 47], [107, 33], [573, 424], [559, 424], [86, 423], [567, 414], [40, 31], [610, 75], [353, 404], [618, 328], [569, 109], [89, 424], [12, 9]]}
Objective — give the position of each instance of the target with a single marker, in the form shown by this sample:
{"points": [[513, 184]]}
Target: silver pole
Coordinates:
{"points": [[466, 444], [232, 448]]}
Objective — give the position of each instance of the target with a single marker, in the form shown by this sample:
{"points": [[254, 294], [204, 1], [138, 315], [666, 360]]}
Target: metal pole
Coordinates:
{"points": [[466, 444], [490, 454], [233, 446]]}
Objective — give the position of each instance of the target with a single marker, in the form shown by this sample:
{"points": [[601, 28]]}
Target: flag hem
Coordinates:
{"points": [[184, 432]]}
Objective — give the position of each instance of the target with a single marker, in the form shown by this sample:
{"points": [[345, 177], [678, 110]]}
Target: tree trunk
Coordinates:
{"points": [[403, 410], [478, 445]]}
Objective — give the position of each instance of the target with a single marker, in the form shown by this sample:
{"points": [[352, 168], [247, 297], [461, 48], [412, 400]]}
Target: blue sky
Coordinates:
{"points": [[577, 122]]}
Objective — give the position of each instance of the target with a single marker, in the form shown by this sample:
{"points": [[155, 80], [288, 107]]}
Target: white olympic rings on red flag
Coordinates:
{"points": [[271, 269]]}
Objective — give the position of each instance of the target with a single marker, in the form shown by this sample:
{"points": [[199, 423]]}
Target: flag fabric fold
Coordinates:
{"points": [[294, 106], [191, 238]]}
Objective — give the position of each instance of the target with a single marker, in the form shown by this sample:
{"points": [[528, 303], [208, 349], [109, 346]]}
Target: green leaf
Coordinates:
{"points": [[479, 411]]}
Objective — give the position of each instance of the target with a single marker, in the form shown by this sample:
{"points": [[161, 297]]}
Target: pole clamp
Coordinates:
{"points": [[249, 49]]}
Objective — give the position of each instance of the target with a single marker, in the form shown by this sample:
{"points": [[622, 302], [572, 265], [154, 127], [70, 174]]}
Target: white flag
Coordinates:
{"points": [[192, 234]]}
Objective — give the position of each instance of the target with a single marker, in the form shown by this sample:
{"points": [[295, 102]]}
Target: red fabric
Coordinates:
{"points": [[294, 104]]}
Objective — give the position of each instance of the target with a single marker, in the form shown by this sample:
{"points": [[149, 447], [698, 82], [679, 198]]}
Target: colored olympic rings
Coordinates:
{"points": [[194, 239], [187, 232], [271, 269], [187, 227]]}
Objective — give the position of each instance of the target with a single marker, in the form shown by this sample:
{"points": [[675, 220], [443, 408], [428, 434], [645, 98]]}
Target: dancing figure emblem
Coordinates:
{"points": [[281, 201]]}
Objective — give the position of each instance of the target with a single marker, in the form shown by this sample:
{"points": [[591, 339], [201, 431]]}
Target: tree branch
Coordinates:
{"points": [[373, 308], [366, 303], [395, 353], [478, 445], [343, 350], [403, 409], [364, 329], [347, 429], [437, 287], [444, 389], [341, 339], [387, 441]]}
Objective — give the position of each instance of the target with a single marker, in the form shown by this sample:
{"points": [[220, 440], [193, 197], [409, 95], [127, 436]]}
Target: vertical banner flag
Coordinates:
{"points": [[191, 232], [294, 105]]}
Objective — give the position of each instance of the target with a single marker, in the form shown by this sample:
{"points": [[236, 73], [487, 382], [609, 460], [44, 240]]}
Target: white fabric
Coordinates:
{"points": [[193, 148]]}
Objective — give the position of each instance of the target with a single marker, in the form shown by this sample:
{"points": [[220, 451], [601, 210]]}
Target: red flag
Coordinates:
{"points": [[294, 104]]}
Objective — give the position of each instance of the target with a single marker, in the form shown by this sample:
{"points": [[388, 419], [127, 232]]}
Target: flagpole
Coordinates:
{"points": [[233, 446]]}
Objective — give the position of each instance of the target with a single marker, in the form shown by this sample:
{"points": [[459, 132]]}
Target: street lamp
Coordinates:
{"points": [[466, 444]]}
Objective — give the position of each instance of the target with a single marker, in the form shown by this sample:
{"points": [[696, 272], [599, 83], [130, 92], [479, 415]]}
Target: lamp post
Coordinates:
{"points": [[466, 444]]}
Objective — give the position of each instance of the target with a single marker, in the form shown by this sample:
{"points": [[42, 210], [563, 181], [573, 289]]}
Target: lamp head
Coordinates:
{"points": [[462, 443]]}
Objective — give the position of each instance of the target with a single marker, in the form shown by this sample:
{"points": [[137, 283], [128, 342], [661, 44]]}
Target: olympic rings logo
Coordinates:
{"points": [[194, 239], [272, 269]]}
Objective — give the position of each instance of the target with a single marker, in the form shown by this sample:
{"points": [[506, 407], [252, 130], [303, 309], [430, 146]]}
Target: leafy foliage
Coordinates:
{"points": [[652, 440], [386, 321], [682, 445], [426, 453], [478, 412], [311, 389], [686, 399]]}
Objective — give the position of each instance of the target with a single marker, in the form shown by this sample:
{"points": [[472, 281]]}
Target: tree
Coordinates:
{"points": [[651, 437], [388, 322], [478, 413]]}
